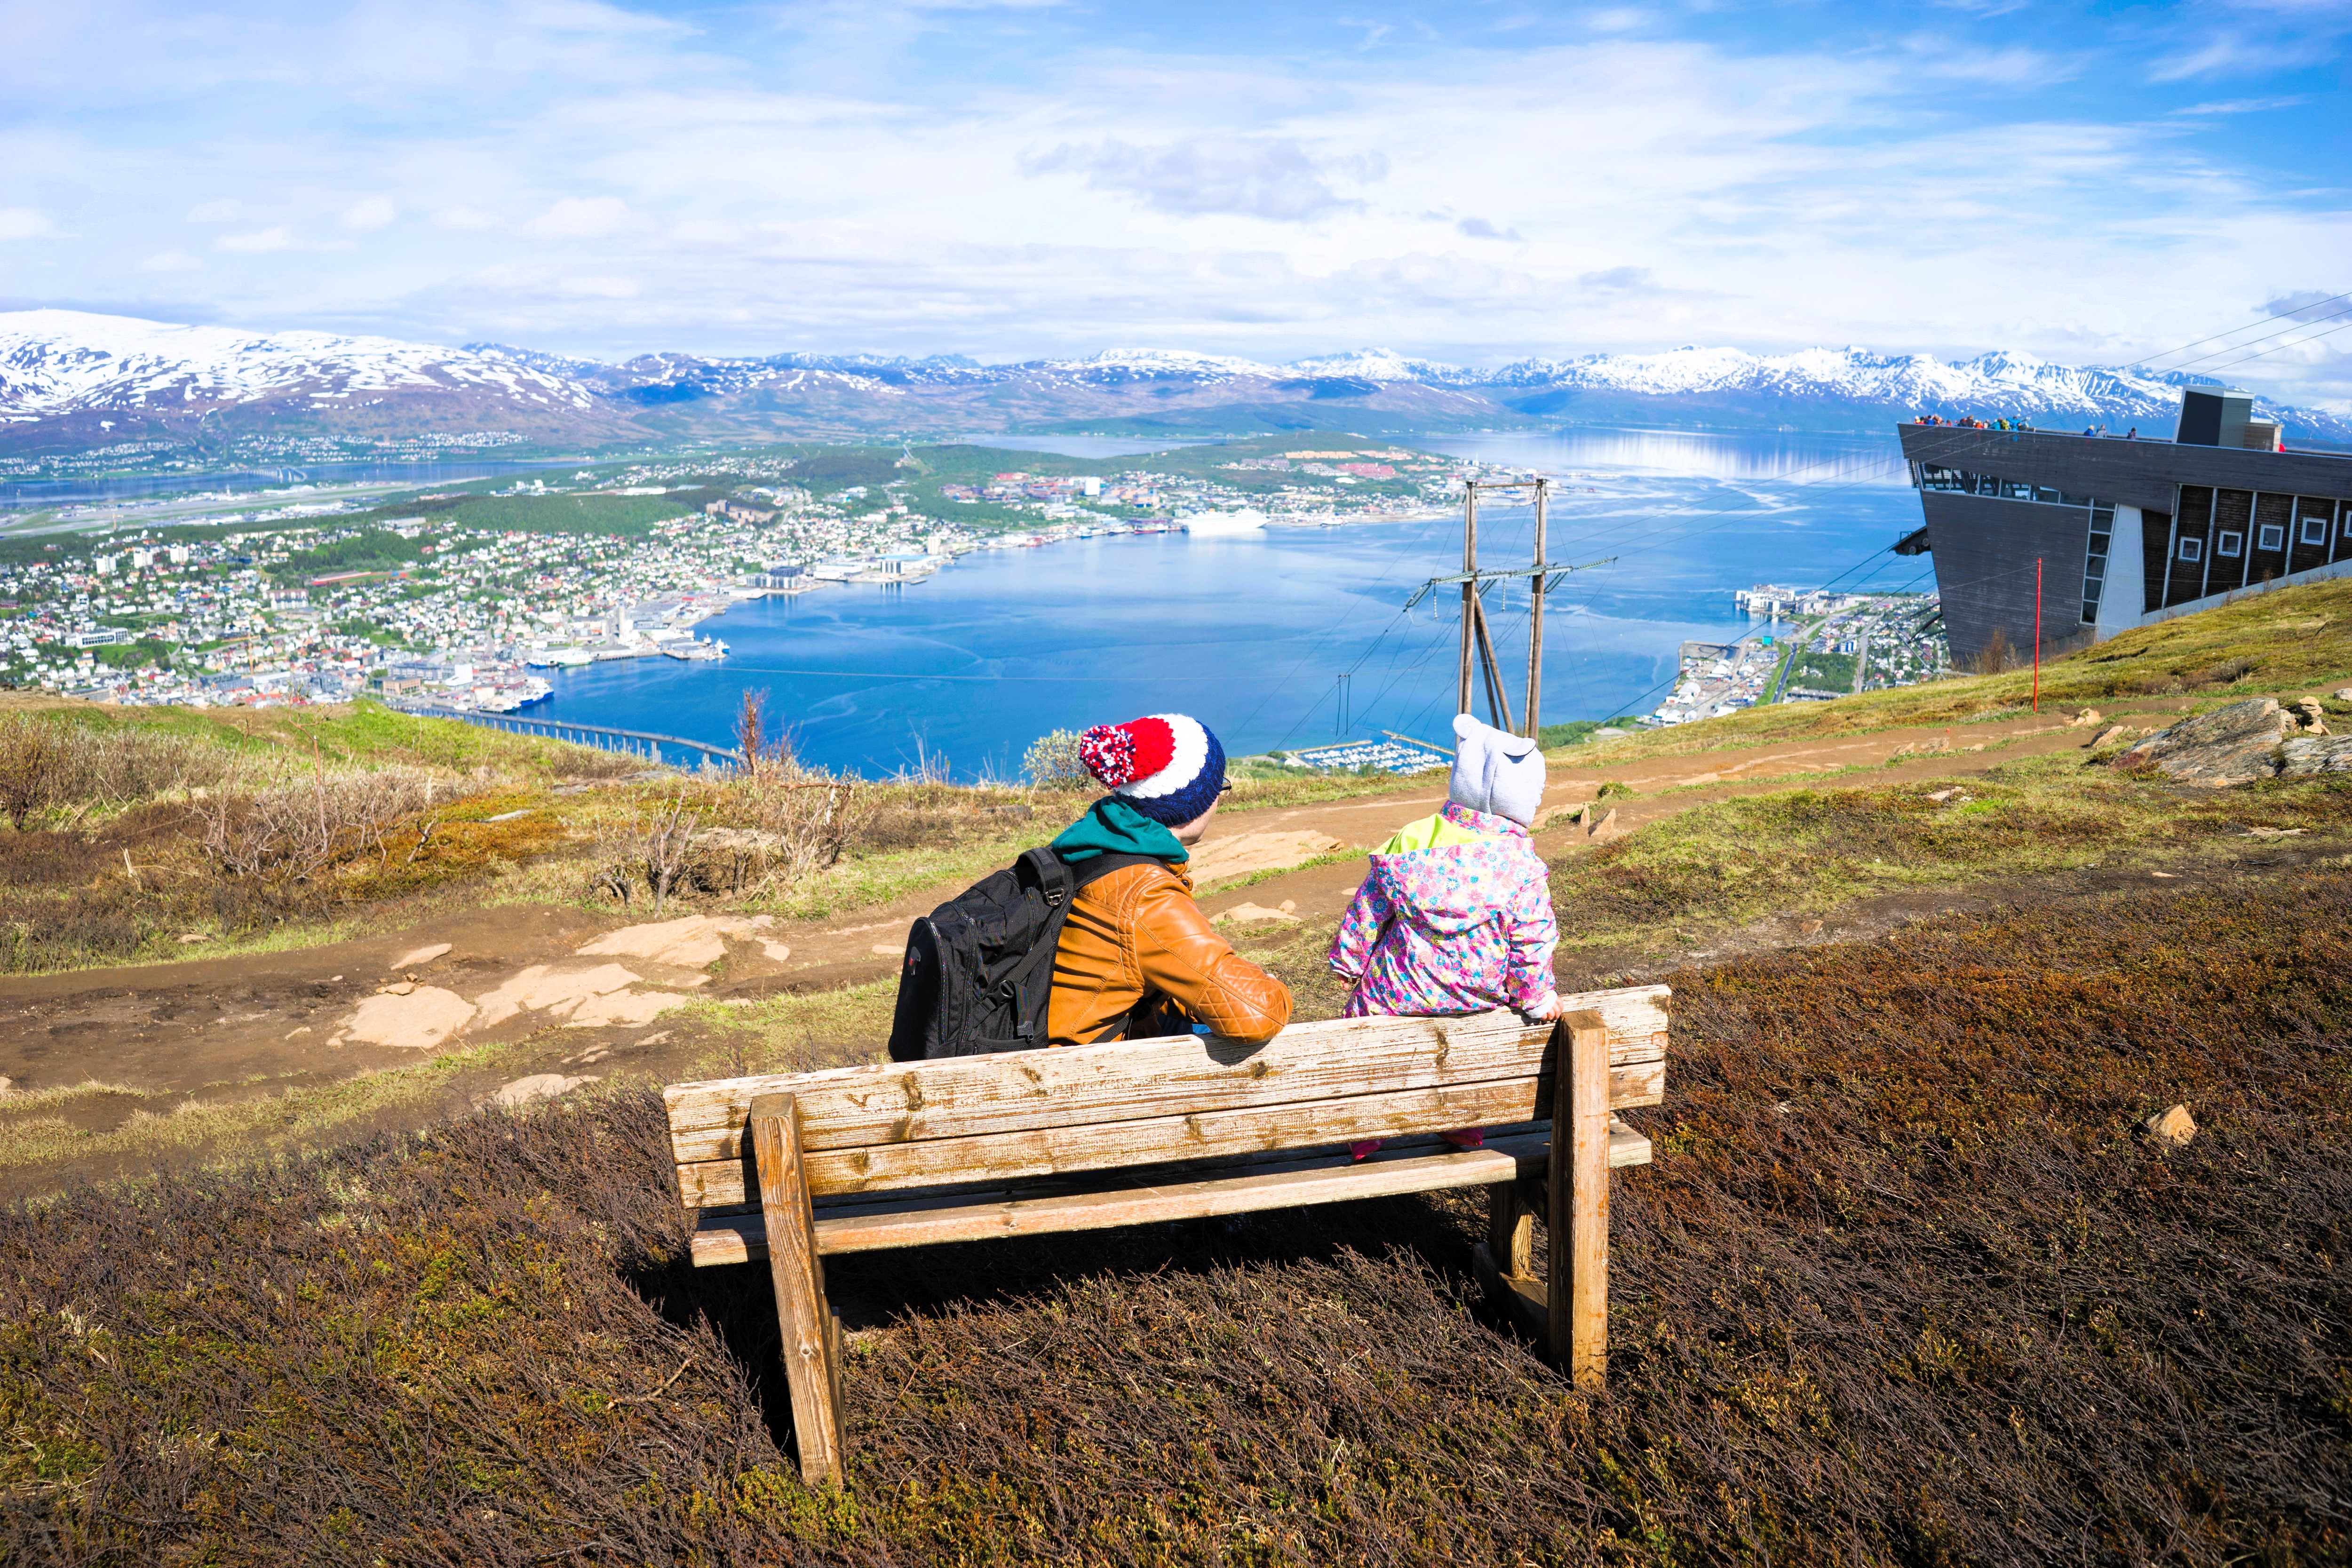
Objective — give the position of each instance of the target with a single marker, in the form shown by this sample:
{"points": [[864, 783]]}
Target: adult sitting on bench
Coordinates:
{"points": [[1137, 958]]}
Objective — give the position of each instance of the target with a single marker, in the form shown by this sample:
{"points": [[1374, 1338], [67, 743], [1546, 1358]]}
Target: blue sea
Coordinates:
{"points": [[1292, 636]]}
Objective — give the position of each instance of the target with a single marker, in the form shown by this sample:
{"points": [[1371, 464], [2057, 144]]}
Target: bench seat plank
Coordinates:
{"points": [[896, 1102], [1196, 1192], [1053, 1151]]}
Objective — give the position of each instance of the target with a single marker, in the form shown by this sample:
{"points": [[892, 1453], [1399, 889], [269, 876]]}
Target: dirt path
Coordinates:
{"points": [[590, 992]]}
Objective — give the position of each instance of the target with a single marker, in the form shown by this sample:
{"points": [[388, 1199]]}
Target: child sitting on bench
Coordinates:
{"points": [[1456, 916]]}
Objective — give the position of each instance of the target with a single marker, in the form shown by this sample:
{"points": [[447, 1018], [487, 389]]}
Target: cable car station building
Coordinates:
{"points": [[2128, 532]]}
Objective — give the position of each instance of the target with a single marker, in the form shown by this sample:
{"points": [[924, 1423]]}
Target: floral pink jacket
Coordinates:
{"points": [[1463, 924]]}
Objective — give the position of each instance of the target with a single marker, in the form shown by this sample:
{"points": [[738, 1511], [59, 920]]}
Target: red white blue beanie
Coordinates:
{"points": [[1166, 765]]}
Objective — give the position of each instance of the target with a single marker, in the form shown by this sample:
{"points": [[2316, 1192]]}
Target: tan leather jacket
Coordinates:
{"points": [[1137, 935]]}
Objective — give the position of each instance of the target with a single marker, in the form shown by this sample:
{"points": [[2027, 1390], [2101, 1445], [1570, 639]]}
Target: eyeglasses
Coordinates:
{"points": [[1226, 787]]}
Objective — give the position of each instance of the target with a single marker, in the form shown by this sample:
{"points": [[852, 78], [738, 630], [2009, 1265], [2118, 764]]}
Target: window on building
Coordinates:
{"points": [[2192, 550], [2315, 530], [2271, 536], [2229, 544]]}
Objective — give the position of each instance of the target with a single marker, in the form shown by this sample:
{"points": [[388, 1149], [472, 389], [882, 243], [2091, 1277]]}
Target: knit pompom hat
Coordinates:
{"points": [[1166, 765]]}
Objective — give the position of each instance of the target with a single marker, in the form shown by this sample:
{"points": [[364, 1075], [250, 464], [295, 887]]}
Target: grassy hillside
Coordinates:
{"points": [[2296, 640], [1904, 1285]]}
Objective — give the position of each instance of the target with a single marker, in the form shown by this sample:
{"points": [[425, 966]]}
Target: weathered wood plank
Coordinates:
{"points": [[1322, 1178], [1577, 1299], [1510, 1229], [1009, 1156], [802, 1311], [895, 1102]]}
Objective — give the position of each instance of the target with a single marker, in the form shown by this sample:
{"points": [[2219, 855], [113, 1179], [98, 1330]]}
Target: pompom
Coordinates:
{"points": [[1109, 753]]}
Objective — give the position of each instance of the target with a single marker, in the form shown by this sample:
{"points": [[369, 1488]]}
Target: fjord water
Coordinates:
{"points": [[1251, 632]]}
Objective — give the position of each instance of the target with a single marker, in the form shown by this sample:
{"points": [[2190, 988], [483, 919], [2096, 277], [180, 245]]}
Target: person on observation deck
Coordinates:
{"points": [[1136, 957]]}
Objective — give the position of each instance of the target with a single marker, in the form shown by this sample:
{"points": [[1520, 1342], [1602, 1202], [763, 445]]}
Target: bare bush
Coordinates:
{"points": [[665, 839], [291, 832], [31, 758], [1996, 656]]}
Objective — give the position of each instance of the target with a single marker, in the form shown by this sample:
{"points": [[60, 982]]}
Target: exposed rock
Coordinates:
{"points": [[398, 988], [1607, 826], [2306, 755], [2232, 745], [1942, 796], [421, 955], [420, 1021], [1247, 852], [2174, 1126], [2342, 694], [1256, 914], [539, 1086], [192, 936], [555, 989], [632, 1009], [2087, 716], [2108, 736], [7, 1085], [688, 943]]}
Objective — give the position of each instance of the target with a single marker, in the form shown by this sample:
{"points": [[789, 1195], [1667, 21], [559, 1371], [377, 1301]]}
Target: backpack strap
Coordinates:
{"points": [[1074, 879]]}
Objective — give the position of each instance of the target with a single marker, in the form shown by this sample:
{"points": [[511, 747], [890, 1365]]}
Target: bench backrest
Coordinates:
{"points": [[1016, 1115]]}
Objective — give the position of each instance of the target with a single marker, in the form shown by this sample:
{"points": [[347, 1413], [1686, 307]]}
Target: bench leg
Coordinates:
{"points": [[1504, 1261], [811, 1333], [1577, 1179]]}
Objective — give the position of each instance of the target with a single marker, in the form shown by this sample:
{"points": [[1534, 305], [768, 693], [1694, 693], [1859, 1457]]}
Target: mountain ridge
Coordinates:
{"points": [[69, 377]]}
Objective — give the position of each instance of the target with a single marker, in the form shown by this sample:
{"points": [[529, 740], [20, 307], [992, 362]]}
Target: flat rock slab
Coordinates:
{"points": [[423, 1019], [539, 1086], [1247, 852], [689, 942]]}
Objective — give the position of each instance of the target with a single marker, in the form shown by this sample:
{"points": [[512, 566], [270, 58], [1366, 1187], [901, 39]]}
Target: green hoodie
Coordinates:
{"points": [[1111, 827]]}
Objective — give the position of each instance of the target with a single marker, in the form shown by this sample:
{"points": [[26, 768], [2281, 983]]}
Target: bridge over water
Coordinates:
{"points": [[602, 736]]}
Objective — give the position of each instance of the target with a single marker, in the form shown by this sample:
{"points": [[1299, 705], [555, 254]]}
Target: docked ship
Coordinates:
{"points": [[1248, 519], [2121, 532], [696, 652]]}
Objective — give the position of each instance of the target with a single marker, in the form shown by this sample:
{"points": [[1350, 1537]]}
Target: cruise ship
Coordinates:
{"points": [[1248, 519], [2125, 532]]}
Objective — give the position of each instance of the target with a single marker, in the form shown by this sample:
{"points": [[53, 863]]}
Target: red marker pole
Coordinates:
{"points": [[2037, 634]]}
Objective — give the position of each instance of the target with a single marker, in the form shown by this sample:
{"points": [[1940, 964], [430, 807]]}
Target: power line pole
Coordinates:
{"points": [[1477, 636]]}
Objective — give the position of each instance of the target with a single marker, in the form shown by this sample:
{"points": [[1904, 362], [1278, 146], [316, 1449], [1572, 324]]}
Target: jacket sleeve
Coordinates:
{"points": [[1533, 932], [1180, 955], [1360, 929]]}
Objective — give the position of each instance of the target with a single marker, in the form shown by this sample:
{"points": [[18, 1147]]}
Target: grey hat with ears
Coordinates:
{"points": [[1495, 770]]}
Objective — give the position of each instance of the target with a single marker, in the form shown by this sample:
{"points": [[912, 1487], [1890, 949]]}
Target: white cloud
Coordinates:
{"points": [[23, 222], [466, 219], [170, 261], [369, 214], [584, 218], [216, 212], [1273, 178], [599, 288], [260, 241]]}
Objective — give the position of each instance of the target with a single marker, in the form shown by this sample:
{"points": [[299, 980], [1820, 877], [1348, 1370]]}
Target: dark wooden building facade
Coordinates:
{"points": [[2125, 531]]}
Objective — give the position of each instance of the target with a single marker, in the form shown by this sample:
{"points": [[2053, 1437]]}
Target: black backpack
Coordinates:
{"points": [[980, 968]]}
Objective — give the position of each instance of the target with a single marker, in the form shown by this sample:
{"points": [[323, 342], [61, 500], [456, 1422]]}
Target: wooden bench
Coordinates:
{"points": [[796, 1167]]}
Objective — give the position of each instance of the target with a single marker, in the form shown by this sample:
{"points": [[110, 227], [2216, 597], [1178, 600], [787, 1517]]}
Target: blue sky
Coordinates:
{"points": [[1471, 182]]}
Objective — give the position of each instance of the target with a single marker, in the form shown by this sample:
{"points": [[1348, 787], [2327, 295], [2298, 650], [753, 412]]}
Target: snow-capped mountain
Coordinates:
{"points": [[70, 379], [55, 362], [2020, 386]]}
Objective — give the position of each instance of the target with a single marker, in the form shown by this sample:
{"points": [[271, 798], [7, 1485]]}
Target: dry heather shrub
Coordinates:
{"points": [[291, 832]]}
